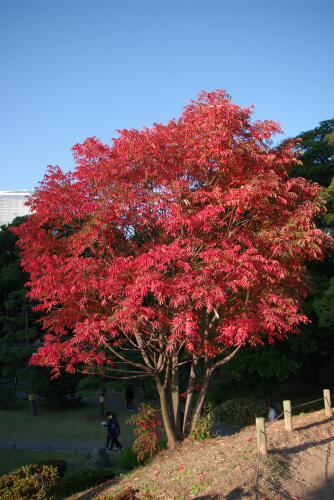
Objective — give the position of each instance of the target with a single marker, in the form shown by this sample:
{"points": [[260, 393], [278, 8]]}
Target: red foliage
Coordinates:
{"points": [[189, 234], [148, 431]]}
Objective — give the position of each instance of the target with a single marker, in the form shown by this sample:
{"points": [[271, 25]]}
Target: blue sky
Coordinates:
{"points": [[71, 69]]}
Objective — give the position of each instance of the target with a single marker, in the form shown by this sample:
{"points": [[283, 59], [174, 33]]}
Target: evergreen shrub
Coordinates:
{"points": [[83, 478], [128, 459], [242, 411]]}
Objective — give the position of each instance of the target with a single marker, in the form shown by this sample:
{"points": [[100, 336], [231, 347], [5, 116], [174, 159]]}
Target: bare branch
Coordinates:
{"points": [[225, 360], [128, 361]]}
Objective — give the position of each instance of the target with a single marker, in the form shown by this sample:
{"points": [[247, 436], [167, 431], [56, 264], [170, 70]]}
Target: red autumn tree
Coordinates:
{"points": [[171, 249]]}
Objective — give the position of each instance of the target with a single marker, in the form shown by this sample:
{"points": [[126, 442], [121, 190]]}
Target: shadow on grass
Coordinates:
{"points": [[223, 429], [237, 493], [325, 492], [207, 497], [98, 490], [314, 424], [302, 447]]}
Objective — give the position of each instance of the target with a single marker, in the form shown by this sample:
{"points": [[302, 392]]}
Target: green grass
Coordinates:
{"points": [[81, 424], [13, 459]]}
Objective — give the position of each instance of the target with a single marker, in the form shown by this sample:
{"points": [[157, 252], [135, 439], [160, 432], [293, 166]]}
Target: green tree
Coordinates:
{"points": [[317, 146], [307, 353], [18, 328]]}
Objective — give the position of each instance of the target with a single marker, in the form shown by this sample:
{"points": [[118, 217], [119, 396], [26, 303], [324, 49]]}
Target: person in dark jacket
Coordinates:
{"points": [[113, 432]]}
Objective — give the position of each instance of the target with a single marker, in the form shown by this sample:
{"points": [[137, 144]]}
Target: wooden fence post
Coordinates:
{"points": [[261, 437], [32, 404], [327, 403], [287, 415]]}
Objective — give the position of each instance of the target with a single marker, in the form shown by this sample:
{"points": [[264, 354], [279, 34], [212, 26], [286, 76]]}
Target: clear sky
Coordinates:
{"points": [[71, 69]]}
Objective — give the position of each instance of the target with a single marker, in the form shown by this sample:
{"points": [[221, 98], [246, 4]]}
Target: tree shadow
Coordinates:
{"points": [[237, 493], [301, 447], [325, 492], [314, 424], [207, 497], [93, 492]]}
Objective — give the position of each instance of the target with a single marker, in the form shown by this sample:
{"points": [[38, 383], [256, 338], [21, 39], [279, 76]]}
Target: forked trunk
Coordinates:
{"points": [[175, 398], [189, 397], [169, 429]]}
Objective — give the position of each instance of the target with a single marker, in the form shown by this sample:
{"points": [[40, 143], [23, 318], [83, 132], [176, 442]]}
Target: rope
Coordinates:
{"points": [[309, 403], [279, 416], [293, 408]]}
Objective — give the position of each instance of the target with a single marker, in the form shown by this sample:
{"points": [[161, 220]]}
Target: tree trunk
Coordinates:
{"points": [[170, 432], [201, 398], [190, 393], [175, 397]]}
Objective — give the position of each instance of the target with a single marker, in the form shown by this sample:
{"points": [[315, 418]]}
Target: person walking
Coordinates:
{"points": [[113, 432], [271, 414]]}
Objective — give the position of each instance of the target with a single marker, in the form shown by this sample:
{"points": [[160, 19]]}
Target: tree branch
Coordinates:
{"points": [[225, 360]]}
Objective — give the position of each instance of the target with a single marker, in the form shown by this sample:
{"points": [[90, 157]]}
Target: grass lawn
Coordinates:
{"points": [[81, 424], [13, 459]]}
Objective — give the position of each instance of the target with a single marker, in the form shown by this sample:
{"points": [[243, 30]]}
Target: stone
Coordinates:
{"points": [[98, 458]]}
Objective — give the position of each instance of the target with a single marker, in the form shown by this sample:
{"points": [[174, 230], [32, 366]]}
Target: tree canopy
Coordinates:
{"points": [[171, 249]]}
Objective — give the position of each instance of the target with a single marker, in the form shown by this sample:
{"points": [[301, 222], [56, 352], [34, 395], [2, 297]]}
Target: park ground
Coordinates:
{"points": [[300, 466], [68, 433]]}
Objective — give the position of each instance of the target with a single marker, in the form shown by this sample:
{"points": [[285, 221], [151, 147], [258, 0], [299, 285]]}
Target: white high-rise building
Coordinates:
{"points": [[12, 204]]}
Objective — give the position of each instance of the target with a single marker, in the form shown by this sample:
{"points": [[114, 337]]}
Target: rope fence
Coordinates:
{"points": [[262, 426]]}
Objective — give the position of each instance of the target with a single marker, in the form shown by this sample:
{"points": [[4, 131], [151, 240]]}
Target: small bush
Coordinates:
{"points": [[203, 424], [61, 465], [128, 459], [242, 411], [148, 431], [29, 482], [83, 478]]}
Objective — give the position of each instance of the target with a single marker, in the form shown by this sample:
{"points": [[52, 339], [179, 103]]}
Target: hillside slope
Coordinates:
{"points": [[300, 466]]}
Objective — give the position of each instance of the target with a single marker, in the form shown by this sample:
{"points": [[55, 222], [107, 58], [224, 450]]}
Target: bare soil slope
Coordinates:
{"points": [[300, 466]]}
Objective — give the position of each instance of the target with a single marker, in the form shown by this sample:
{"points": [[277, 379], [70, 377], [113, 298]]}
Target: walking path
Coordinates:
{"points": [[75, 447], [80, 447], [112, 401]]}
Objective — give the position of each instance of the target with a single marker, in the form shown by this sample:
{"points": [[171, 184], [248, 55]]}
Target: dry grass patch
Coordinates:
{"points": [[298, 463]]}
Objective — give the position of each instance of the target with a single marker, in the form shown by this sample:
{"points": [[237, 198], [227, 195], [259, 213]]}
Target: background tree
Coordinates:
{"points": [[317, 165], [181, 243], [17, 322], [317, 146], [20, 333], [305, 359]]}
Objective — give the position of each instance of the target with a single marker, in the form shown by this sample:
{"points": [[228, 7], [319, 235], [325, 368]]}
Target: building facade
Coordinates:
{"points": [[12, 204]]}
